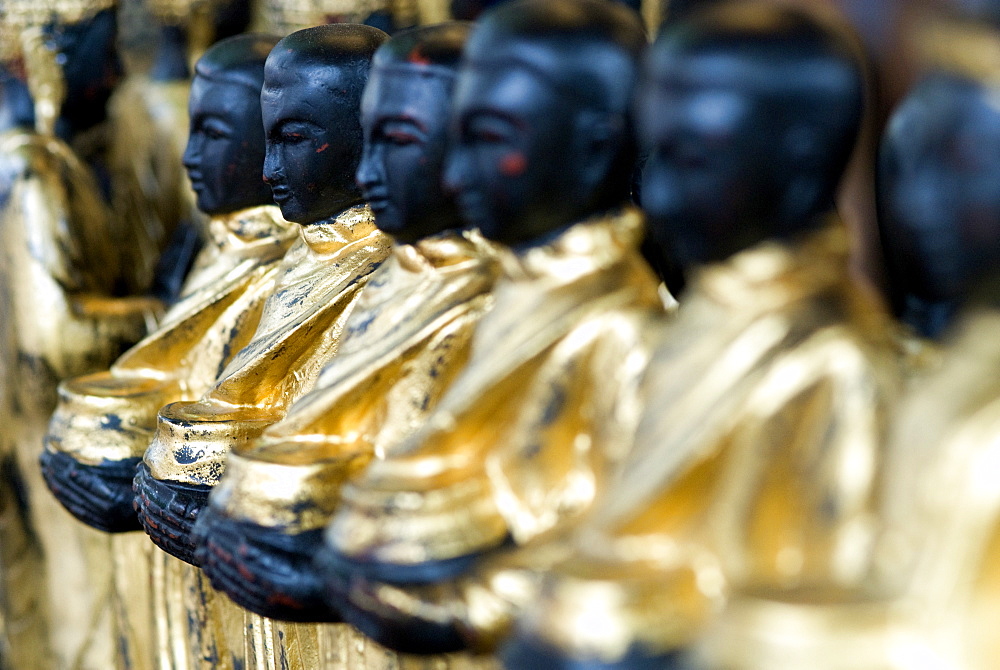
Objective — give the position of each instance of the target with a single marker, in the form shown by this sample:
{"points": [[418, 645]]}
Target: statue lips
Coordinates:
{"points": [[281, 193], [263, 569], [167, 511], [98, 495]]}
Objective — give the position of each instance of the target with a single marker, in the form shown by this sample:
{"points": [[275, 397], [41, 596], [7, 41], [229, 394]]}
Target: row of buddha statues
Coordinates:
{"points": [[529, 343]]}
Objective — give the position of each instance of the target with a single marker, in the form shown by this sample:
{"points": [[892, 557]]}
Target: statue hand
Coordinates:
{"points": [[98, 495], [263, 569], [167, 511]]}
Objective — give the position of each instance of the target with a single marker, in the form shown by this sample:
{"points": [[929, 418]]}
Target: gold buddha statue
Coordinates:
{"points": [[932, 600], [756, 464], [534, 423], [66, 313], [105, 421], [402, 346], [310, 102]]}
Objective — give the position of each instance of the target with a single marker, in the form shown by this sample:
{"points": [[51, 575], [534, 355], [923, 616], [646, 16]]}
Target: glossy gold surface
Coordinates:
{"points": [[932, 600], [319, 281], [58, 274], [405, 342], [111, 415], [536, 421], [756, 466]]}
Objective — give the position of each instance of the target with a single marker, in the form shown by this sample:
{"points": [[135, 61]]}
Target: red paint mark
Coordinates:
{"points": [[513, 165], [417, 58], [323, 148], [285, 600]]}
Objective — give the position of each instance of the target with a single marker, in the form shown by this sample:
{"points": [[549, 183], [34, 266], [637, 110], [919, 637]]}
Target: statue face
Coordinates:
{"points": [[91, 66], [404, 116], [313, 139], [225, 150], [513, 163], [704, 182], [938, 195]]}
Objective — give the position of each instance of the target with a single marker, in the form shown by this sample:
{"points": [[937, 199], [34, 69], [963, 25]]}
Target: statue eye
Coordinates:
{"points": [[486, 136], [213, 129], [292, 138]]}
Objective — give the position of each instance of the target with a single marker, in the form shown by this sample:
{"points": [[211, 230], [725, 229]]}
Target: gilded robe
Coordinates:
{"points": [[215, 317], [402, 347], [319, 282], [531, 429], [757, 463], [110, 416]]}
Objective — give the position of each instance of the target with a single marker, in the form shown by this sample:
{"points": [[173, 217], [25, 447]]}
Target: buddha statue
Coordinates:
{"points": [[933, 599], [756, 462], [104, 421], [65, 313], [402, 346], [310, 101], [541, 162]]}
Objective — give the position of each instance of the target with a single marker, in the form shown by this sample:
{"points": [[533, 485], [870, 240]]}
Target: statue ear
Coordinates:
{"points": [[597, 139]]}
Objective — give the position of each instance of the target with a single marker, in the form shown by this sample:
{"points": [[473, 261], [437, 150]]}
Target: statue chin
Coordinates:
{"points": [[98, 495], [167, 511], [263, 569]]}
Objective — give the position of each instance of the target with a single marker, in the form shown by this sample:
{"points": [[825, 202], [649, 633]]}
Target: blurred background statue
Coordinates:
{"points": [[69, 263]]}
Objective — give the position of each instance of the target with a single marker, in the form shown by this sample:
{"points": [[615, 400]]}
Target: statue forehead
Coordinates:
{"points": [[286, 71], [407, 89], [216, 94], [748, 73]]}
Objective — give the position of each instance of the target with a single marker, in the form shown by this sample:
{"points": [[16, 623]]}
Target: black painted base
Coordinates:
{"points": [[528, 653], [337, 565], [350, 583], [167, 511], [98, 495], [262, 569]]}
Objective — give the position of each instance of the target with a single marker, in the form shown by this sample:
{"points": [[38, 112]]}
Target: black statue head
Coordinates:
{"points": [[750, 113], [541, 132], [91, 67], [939, 200], [225, 150], [405, 113], [311, 98]]}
